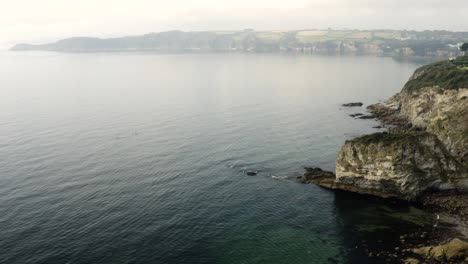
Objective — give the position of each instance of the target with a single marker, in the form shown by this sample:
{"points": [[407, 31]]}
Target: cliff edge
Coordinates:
{"points": [[426, 147]]}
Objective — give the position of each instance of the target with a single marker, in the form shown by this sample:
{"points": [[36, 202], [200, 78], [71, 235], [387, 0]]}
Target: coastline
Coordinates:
{"points": [[421, 159]]}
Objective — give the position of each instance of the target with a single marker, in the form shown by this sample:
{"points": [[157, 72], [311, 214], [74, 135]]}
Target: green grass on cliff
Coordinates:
{"points": [[445, 74]]}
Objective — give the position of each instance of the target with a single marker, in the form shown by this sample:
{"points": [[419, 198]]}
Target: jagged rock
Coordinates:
{"points": [[455, 250], [352, 104], [318, 176]]}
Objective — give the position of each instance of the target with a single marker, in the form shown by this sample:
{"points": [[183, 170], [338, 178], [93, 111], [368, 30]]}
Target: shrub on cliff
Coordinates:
{"points": [[445, 74]]}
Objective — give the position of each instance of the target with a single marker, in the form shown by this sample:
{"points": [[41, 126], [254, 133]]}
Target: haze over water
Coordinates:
{"points": [[140, 157]]}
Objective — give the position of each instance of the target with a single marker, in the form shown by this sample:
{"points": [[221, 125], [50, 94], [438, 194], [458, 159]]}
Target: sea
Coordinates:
{"points": [[142, 157]]}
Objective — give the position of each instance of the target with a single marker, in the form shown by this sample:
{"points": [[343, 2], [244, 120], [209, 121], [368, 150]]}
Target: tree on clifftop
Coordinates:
{"points": [[464, 47]]}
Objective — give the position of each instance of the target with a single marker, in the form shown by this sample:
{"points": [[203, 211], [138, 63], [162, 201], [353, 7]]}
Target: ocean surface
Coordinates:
{"points": [[141, 158]]}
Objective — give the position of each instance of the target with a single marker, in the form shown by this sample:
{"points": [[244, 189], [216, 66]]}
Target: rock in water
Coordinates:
{"points": [[318, 176], [366, 117], [356, 115], [352, 104]]}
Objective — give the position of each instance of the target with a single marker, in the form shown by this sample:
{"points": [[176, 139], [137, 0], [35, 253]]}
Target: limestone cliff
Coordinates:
{"points": [[441, 112], [427, 143], [399, 165], [434, 99]]}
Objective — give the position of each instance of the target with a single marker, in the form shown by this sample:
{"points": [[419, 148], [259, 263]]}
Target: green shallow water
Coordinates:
{"points": [[140, 158]]}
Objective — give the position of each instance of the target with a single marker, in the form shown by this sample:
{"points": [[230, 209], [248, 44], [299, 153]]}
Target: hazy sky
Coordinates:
{"points": [[45, 20]]}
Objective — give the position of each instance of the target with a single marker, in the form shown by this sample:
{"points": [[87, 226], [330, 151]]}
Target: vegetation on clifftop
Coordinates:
{"points": [[445, 74]]}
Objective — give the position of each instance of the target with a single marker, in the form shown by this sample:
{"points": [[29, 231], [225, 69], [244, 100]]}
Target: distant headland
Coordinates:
{"points": [[392, 43]]}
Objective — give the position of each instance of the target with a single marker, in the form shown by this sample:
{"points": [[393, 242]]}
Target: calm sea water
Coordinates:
{"points": [[140, 158]]}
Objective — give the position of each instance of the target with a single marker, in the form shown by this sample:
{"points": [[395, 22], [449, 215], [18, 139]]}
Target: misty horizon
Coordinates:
{"points": [[52, 20]]}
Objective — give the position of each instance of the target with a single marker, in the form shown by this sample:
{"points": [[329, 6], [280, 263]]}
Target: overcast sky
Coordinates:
{"points": [[37, 21]]}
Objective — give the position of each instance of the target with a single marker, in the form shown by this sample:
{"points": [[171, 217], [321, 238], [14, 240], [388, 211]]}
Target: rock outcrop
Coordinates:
{"points": [[392, 165], [454, 250], [426, 147], [399, 165]]}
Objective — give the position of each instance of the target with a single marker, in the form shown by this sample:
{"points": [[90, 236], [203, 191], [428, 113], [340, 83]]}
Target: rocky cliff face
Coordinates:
{"points": [[427, 144], [441, 112], [397, 165]]}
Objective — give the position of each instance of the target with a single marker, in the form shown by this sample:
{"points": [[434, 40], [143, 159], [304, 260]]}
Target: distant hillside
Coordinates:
{"points": [[376, 42]]}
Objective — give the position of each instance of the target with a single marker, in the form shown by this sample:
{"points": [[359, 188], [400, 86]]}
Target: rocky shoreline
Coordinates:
{"points": [[422, 158]]}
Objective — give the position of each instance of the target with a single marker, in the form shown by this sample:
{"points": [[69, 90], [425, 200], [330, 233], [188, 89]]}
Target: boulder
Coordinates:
{"points": [[454, 250], [352, 104]]}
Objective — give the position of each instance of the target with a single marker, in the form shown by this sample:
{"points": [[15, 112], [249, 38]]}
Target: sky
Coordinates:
{"points": [[38, 21]]}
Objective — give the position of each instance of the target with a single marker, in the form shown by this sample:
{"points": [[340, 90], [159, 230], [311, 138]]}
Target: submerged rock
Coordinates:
{"points": [[366, 117], [353, 104], [251, 172], [356, 115]]}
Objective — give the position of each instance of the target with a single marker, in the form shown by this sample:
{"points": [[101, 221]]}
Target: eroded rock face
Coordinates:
{"points": [[443, 112], [399, 165]]}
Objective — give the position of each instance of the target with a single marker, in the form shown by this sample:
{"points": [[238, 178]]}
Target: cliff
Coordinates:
{"points": [[435, 99], [426, 147], [401, 165]]}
